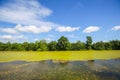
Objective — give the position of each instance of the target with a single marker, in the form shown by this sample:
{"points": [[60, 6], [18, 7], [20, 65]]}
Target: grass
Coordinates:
{"points": [[7, 56]]}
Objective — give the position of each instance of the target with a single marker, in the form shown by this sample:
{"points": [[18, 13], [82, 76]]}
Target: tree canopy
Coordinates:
{"points": [[62, 44], [89, 42]]}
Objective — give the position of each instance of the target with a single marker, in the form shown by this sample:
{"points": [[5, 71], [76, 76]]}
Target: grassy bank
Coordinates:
{"points": [[6, 56]]}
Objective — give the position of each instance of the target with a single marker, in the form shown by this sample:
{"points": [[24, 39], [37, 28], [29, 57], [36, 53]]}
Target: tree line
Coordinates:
{"points": [[62, 44]]}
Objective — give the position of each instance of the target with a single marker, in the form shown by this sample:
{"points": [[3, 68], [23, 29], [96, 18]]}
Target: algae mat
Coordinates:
{"points": [[7, 56]]}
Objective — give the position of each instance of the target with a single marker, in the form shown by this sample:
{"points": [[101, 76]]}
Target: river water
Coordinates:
{"points": [[61, 70]]}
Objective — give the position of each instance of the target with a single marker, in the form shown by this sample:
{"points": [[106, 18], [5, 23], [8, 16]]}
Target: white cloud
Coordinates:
{"points": [[31, 14], [66, 29], [29, 29], [9, 30], [38, 29], [91, 29], [20, 37], [24, 12], [10, 37], [115, 28], [33, 29]]}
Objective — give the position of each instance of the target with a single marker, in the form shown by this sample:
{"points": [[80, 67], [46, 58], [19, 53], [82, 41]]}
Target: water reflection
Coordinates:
{"points": [[61, 70], [91, 63]]}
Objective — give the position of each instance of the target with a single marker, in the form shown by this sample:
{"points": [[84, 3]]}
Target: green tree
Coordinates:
{"points": [[52, 46], [78, 46], [37, 46], [99, 46], [25, 46], [2, 46], [115, 44], [16, 47], [32, 47], [42, 45], [107, 45], [63, 44], [8, 46], [89, 42]]}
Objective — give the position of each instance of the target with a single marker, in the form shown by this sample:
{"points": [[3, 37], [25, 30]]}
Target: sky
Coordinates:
{"points": [[32, 20]]}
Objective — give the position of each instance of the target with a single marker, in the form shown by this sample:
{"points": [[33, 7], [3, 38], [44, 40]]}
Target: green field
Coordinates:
{"points": [[7, 56]]}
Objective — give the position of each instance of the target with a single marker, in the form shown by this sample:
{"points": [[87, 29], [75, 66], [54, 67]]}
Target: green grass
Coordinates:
{"points": [[6, 56]]}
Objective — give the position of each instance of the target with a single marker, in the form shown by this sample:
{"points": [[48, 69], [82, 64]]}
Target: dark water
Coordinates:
{"points": [[61, 70]]}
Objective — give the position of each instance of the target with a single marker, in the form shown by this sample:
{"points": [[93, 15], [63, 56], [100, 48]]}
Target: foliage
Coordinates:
{"points": [[115, 44], [99, 46], [78, 46], [89, 42], [43, 45], [52, 46], [62, 44]]}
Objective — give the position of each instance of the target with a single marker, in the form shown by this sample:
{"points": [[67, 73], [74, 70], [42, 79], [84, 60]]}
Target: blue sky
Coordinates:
{"points": [[31, 20]]}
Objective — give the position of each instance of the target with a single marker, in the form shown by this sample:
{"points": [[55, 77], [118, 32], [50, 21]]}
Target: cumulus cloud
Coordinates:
{"points": [[28, 29], [24, 12], [9, 30], [37, 29], [115, 28], [67, 29], [11, 37], [91, 29], [8, 37], [31, 14], [33, 29]]}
